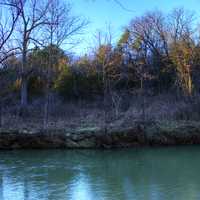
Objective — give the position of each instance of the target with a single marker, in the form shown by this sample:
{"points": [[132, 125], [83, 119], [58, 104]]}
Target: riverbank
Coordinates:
{"points": [[139, 134]]}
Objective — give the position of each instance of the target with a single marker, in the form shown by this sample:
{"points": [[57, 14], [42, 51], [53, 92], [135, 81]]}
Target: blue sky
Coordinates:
{"points": [[102, 12]]}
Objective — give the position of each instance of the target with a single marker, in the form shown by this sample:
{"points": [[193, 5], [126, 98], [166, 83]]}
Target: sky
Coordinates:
{"points": [[101, 13]]}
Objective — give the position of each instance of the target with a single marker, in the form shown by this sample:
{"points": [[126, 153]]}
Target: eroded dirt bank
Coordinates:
{"points": [[141, 134]]}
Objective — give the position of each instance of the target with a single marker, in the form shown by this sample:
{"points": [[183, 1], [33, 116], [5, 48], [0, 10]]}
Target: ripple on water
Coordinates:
{"points": [[160, 173]]}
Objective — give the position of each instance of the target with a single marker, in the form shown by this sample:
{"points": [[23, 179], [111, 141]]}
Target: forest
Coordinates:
{"points": [[99, 99], [150, 74]]}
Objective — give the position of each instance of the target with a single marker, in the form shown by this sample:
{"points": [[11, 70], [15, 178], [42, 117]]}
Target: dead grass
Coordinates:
{"points": [[83, 114]]}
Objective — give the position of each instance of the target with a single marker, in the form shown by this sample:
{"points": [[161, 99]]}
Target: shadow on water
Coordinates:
{"points": [[159, 173]]}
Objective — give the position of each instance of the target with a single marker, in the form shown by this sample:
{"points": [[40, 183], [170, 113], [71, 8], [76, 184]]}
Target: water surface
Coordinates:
{"points": [[158, 173]]}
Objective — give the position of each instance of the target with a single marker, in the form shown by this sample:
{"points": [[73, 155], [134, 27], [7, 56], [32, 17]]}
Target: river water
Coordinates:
{"points": [[146, 174]]}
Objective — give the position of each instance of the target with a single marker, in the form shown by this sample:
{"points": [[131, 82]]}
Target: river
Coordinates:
{"points": [[129, 174]]}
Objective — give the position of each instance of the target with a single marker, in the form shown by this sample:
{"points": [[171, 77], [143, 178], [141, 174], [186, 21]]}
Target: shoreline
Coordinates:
{"points": [[138, 135]]}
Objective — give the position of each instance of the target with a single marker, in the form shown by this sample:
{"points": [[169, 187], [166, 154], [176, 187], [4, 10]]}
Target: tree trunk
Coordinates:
{"points": [[24, 92], [1, 114], [105, 100], [46, 105], [24, 80], [46, 109], [143, 100]]}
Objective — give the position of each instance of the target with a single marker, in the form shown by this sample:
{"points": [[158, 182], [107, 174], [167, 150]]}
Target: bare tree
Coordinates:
{"points": [[102, 54], [180, 24], [9, 14], [150, 30], [182, 46], [60, 31], [32, 18]]}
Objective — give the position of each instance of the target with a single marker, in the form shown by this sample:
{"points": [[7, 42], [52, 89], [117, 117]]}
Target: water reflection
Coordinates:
{"points": [[161, 173]]}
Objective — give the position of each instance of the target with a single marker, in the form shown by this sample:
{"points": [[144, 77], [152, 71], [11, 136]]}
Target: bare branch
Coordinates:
{"points": [[122, 6]]}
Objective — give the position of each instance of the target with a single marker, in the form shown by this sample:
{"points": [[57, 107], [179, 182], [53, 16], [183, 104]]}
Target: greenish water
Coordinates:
{"points": [[159, 173]]}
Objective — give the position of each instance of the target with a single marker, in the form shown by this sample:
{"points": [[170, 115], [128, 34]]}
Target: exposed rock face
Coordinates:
{"points": [[139, 135]]}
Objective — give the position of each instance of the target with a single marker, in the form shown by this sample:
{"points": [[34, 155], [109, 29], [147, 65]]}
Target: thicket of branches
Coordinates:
{"points": [[157, 54]]}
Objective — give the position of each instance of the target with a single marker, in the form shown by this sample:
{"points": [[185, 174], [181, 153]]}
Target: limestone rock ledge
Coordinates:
{"points": [[140, 134]]}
